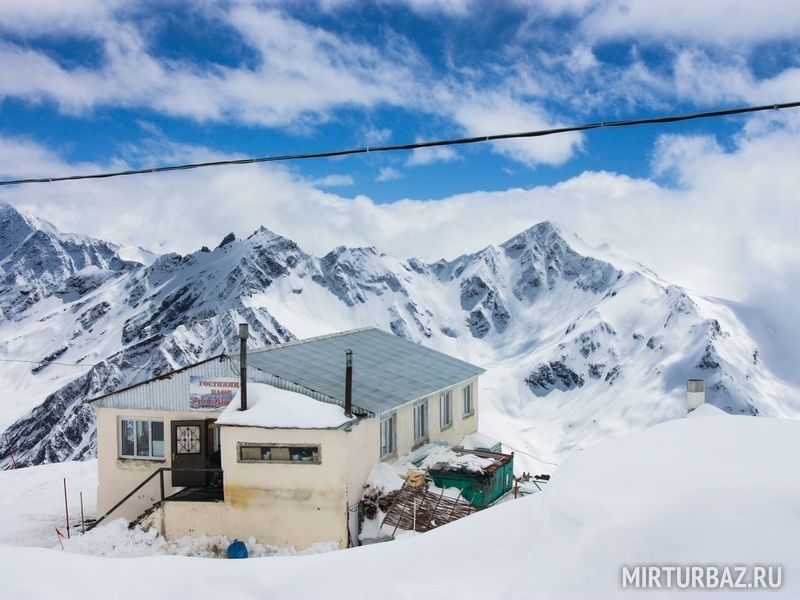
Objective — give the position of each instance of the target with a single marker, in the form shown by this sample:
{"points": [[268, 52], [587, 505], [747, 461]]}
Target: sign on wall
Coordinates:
{"points": [[211, 393]]}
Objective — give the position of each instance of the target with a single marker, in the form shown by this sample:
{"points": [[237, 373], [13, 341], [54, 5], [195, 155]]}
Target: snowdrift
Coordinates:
{"points": [[710, 490]]}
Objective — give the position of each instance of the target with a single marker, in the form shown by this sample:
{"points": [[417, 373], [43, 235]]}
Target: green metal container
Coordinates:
{"points": [[480, 489]]}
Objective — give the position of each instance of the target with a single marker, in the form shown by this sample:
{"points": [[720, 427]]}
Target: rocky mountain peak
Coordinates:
{"points": [[542, 235], [561, 326]]}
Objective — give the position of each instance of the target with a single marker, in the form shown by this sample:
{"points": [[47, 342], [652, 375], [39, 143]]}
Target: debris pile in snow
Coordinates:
{"points": [[386, 480]]}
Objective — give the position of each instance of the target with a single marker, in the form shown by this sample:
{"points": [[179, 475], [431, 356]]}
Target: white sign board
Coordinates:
{"points": [[211, 393]]}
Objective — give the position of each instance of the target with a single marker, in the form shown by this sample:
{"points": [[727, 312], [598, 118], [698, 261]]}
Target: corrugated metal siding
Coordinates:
{"points": [[170, 393], [388, 372], [258, 376]]}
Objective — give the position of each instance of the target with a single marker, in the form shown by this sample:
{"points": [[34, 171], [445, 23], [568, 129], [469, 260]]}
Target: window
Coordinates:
{"points": [[420, 421], [279, 454], [467, 396], [387, 436], [141, 439], [445, 409]]}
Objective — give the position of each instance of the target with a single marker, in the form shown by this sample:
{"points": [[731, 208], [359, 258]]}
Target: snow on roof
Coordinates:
{"points": [[272, 407], [707, 410], [445, 458], [479, 441]]}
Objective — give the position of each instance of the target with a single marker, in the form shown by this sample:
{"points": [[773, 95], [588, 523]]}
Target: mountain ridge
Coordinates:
{"points": [[570, 339]]}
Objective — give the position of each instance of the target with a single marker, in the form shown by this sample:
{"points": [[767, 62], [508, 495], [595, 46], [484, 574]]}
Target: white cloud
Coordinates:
{"points": [[733, 218], [700, 78], [37, 17], [729, 230], [373, 136], [458, 8], [709, 21], [302, 75], [335, 180], [304, 71], [24, 158], [676, 154], [388, 174], [427, 156], [493, 113]]}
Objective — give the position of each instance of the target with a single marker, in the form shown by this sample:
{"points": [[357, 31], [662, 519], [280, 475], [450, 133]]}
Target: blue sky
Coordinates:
{"points": [[102, 82], [92, 85]]}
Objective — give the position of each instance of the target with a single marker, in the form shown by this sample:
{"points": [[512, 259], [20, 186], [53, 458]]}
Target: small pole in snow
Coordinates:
{"points": [[83, 523], [59, 535], [66, 506]]}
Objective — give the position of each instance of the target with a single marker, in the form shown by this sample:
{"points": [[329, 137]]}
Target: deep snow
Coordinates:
{"points": [[704, 490]]}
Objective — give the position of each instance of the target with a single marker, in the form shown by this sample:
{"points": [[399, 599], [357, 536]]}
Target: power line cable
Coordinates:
{"points": [[530, 455], [414, 146], [39, 362]]}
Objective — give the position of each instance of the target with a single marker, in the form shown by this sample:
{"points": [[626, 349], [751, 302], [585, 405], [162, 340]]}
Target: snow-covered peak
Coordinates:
{"points": [[36, 259], [572, 337], [15, 227], [267, 236], [544, 232]]}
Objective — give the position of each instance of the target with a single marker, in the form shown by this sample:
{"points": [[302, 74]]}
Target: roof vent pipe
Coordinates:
{"points": [[695, 393], [243, 335], [348, 384]]}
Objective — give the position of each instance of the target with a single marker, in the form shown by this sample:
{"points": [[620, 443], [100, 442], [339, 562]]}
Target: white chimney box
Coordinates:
{"points": [[695, 393]]}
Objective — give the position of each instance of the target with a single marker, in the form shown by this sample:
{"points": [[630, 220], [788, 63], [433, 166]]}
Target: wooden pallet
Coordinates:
{"points": [[416, 508]]}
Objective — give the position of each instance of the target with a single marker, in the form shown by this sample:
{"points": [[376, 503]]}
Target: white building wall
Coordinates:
{"points": [[281, 504], [117, 476], [285, 504], [453, 434]]}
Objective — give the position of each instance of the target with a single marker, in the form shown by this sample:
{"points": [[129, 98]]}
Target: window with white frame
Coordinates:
{"points": [[421, 421], [467, 397], [141, 438], [388, 445], [445, 409]]}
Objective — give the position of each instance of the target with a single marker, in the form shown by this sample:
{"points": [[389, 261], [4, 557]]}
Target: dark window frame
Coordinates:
{"points": [[315, 448]]}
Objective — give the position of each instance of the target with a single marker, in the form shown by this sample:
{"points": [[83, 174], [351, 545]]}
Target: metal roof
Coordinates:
{"points": [[388, 371]]}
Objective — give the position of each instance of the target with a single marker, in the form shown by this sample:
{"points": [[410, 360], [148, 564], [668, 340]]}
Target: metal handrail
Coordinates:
{"points": [[160, 472]]}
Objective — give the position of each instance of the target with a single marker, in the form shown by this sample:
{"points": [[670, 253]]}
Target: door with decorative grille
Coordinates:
{"points": [[189, 451]]}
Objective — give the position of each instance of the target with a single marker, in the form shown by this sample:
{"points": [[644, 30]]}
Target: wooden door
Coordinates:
{"points": [[189, 451]]}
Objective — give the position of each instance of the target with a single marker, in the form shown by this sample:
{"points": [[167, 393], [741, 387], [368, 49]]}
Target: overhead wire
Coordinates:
{"points": [[412, 146], [43, 362]]}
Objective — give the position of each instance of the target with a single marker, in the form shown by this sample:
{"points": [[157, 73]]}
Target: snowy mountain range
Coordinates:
{"points": [[581, 344]]}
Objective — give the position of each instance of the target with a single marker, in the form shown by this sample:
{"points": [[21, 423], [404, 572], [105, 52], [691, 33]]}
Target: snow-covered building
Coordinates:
{"points": [[290, 469]]}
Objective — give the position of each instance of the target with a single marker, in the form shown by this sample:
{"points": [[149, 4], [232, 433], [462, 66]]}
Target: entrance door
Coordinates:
{"points": [[189, 451]]}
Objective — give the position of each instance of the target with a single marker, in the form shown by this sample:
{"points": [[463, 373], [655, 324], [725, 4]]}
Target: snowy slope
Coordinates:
{"points": [[661, 496], [581, 343]]}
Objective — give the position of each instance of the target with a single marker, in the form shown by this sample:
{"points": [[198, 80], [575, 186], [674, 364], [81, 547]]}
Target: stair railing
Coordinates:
{"points": [[160, 472]]}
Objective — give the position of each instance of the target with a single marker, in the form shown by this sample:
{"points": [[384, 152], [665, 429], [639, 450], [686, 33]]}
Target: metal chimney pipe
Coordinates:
{"points": [[348, 384], [243, 335]]}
